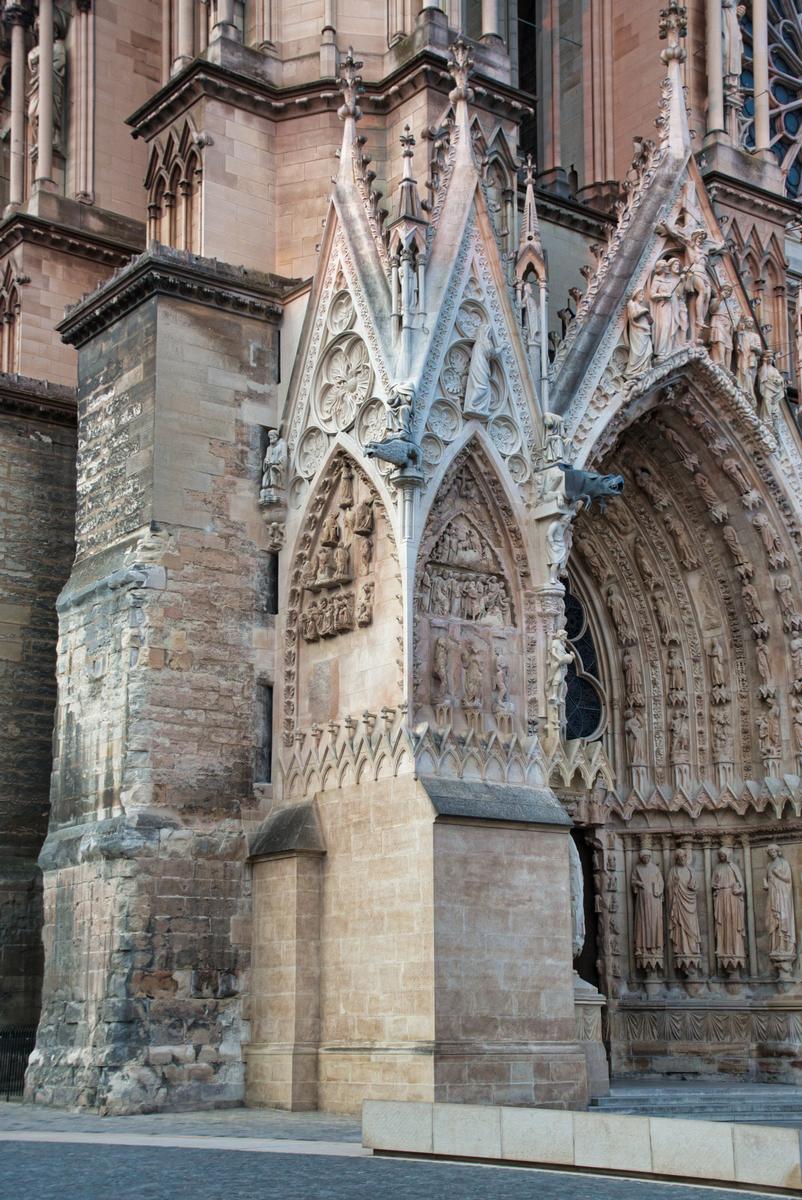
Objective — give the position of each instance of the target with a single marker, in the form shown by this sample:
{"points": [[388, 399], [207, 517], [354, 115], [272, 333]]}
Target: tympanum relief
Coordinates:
{"points": [[469, 649]]}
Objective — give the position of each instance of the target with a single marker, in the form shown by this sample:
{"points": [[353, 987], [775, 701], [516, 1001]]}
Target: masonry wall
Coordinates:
{"points": [[145, 893], [37, 472]]}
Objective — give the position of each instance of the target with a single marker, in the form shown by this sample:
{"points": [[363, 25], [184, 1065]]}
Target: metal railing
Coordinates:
{"points": [[15, 1050]]}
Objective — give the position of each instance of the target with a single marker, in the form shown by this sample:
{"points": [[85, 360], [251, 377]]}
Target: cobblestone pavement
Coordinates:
{"points": [[225, 1122], [66, 1170]]}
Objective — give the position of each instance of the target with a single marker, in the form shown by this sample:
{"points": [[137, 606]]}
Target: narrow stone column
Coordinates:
{"points": [[224, 25], [715, 77], [84, 55], [760, 69], [552, 175], [44, 141], [186, 34], [17, 18], [490, 19]]}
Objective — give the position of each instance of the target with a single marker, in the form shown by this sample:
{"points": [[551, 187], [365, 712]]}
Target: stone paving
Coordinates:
{"points": [[64, 1171]]}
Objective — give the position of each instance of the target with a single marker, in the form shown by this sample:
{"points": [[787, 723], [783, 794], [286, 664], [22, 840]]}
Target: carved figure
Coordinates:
{"points": [[683, 917], [558, 544], [762, 658], [632, 682], [633, 731], [364, 609], [768, 731], [728, 912], [698, 251], [731, 38], [400, 411], [326, 617], [330, 531], [722, 328], [742, 563], [618, 611], [721, 733], [676, 676], [59, 69], [397, 451], [501, 681], [346, 486], [439, 670], [665, 327], [772, 388], [363, 521], [680, 746], [780, 918], [471, 676], [795, 650], [754, 613], [785, 594], [325, 564], [560, 657], [478, 393], [715, 661], [342, 564], [639, 336], [749, 347], [718, 511], [687, 555], [589, 486], [555, 449], [644, 565], [274, 466], [364, 548], [771, 541], [656, 494], [647, 885], [665, 620], [578, 932]]}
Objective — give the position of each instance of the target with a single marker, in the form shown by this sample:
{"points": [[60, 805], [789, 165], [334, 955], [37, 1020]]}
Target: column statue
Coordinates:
{"points": [[780, 918], [729, 912], [683, 918], [647, 885]]}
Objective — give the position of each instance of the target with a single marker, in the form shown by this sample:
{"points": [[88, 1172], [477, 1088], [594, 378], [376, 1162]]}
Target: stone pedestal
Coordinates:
{"points": [[588, 1005]]}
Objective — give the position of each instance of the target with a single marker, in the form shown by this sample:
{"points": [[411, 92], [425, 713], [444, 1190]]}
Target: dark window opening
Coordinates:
{"points": [[263, 766], [271, 585], [527, 70]]}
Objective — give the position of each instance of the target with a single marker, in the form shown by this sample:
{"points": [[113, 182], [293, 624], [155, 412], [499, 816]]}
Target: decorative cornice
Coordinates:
{"points": [[202, 78], [572, 214], [37, 400], [740, 193], [23, 228], [161, 271]]}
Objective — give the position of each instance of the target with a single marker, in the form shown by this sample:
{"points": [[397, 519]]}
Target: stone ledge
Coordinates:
{"points": [[712, 1151], [475, 799]]}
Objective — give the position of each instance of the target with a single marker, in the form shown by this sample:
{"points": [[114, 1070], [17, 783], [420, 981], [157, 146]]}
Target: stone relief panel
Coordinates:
{"points": [[342, 647], [469, 667]]}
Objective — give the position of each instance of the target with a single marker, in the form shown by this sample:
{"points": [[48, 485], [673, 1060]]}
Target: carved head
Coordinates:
{"points": [[773, 851], [645, 856], [724, 854], [681, 857]]}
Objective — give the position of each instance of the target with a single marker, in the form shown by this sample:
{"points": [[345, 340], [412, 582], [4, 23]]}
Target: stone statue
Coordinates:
{"points": [[647, 884], [560, 658], [639, 336], [749, 347], [633, 730], [683, 918], [478, 394], [577, 900], [715, 659], [729, 912], [618, 611], [471, 676], [530, 311], [780, 918], [698, 251], [274, 468], [680, 744], [440, 685], [772, 388], [400, 411], [722, 328], [665, 328], [501, 682], [555, 449], [731, 38], [59, 80]]}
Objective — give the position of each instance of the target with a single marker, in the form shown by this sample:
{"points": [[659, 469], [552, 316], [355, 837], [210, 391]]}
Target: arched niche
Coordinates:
{"points": [[473, 613], [341, 648]]}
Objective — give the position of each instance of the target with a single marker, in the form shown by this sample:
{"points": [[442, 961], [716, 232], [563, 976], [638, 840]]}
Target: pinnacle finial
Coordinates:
{"points": [[460, 66], [408, 142], [350, 86], [673, 27], [529, 171]]}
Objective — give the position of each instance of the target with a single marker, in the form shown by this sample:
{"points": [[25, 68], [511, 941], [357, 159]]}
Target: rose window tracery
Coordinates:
{"points": [[346, 379], [785, 88]]}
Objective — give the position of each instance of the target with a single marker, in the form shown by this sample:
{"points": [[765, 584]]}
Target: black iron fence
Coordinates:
{"points": [[15, 1050]]}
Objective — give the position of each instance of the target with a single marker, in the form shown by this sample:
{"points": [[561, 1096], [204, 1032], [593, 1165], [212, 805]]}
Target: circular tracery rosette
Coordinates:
{"points": [[345, 380]]}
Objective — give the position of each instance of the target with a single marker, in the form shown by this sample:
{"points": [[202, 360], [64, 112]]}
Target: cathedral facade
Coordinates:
{"points": [[401, 655]]}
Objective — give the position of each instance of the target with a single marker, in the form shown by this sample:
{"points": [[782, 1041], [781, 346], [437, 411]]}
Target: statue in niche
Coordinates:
{"points": [[501, 681], [644, 565], [768, 731], [342, 564], [346, 486], [762, 659], [796, 723], [471, 676], [680, 745], [698, 252], [665, 326], [742, 564], [639, 336], [441, 596], [646, 483], [578, 932], [400, 411], [364, 549], [785, 595], [558, 546], [780, 918], [687, 555], [633, 731], [555, 449], [618, 611], [530, 313], [795, 650], [665, 620], [478, 393], [772, 388], [274, 468], [749, 347], [59, 81], [675, 671], [309, 628], [722, 328], [729, 912], [771, 541], [683, 917], [721, 734], [754, 613], [632, 682], [326, 615], [715, 659], [440, 685], [364, 610], [647, 885], [718, 511], [325, 565], [363, 521], [732, 44], [560, 658]]}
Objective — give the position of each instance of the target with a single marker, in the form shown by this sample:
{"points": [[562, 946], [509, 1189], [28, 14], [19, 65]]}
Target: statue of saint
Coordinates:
{"points": [[400, 411], [59, 78], [633, 730], [722, 328], [731, 38], [478, 394], [639, 336], [665, 328], [559, 659], [471, 676], [780, 917], [772, 388], [440, 688], [715, 658], [274, 467], [647, 884], [683, 918], [749, 347], [577, 900], [729, 912]]}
